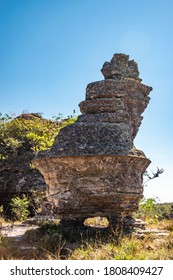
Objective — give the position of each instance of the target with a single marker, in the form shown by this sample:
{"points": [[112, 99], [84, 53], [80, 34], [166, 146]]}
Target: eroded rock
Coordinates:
{"points": [[93, 168]]}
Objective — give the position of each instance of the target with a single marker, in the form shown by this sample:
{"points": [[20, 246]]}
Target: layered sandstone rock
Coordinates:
{"points": [[93, 169]]}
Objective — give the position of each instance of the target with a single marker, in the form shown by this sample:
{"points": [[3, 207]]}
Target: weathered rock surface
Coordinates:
{"points": [[120, 67], [98, 185], [17, 178], [93, 168]]}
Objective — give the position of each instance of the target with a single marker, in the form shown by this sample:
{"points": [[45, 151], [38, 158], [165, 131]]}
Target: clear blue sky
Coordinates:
{"points": [[51, 49]]}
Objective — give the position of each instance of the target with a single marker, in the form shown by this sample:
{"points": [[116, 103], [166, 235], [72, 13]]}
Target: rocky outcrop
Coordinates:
{"points": [[93, 168], [17, 176]]}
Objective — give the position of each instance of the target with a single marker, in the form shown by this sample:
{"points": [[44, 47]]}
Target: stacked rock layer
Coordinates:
{"points": [[93, 168]]}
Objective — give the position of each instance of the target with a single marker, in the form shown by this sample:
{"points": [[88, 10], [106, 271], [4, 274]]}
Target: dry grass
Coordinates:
{"points": [[127, 248], [52, 241], [160, 224]]}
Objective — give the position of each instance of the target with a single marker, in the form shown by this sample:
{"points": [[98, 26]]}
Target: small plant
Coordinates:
{"points": [[152, 211], [147, 209], [1, 210], [147, 205], [19, 207]]}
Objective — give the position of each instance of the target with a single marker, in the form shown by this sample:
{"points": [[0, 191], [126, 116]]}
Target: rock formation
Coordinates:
{"points": [[17, 177], [93, 168]]}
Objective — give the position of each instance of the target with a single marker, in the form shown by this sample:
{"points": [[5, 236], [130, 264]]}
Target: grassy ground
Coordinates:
{"points": [[95, 241]]}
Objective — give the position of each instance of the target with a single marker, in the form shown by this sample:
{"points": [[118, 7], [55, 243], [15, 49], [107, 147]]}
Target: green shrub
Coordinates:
{"points": [[19, 207], [147, 209], [31, 129], [151, 209]]}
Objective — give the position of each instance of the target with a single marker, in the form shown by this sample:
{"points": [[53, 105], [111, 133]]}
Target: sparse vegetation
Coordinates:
{"points": [[151, 210], [95, 241], [126, 249]]}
